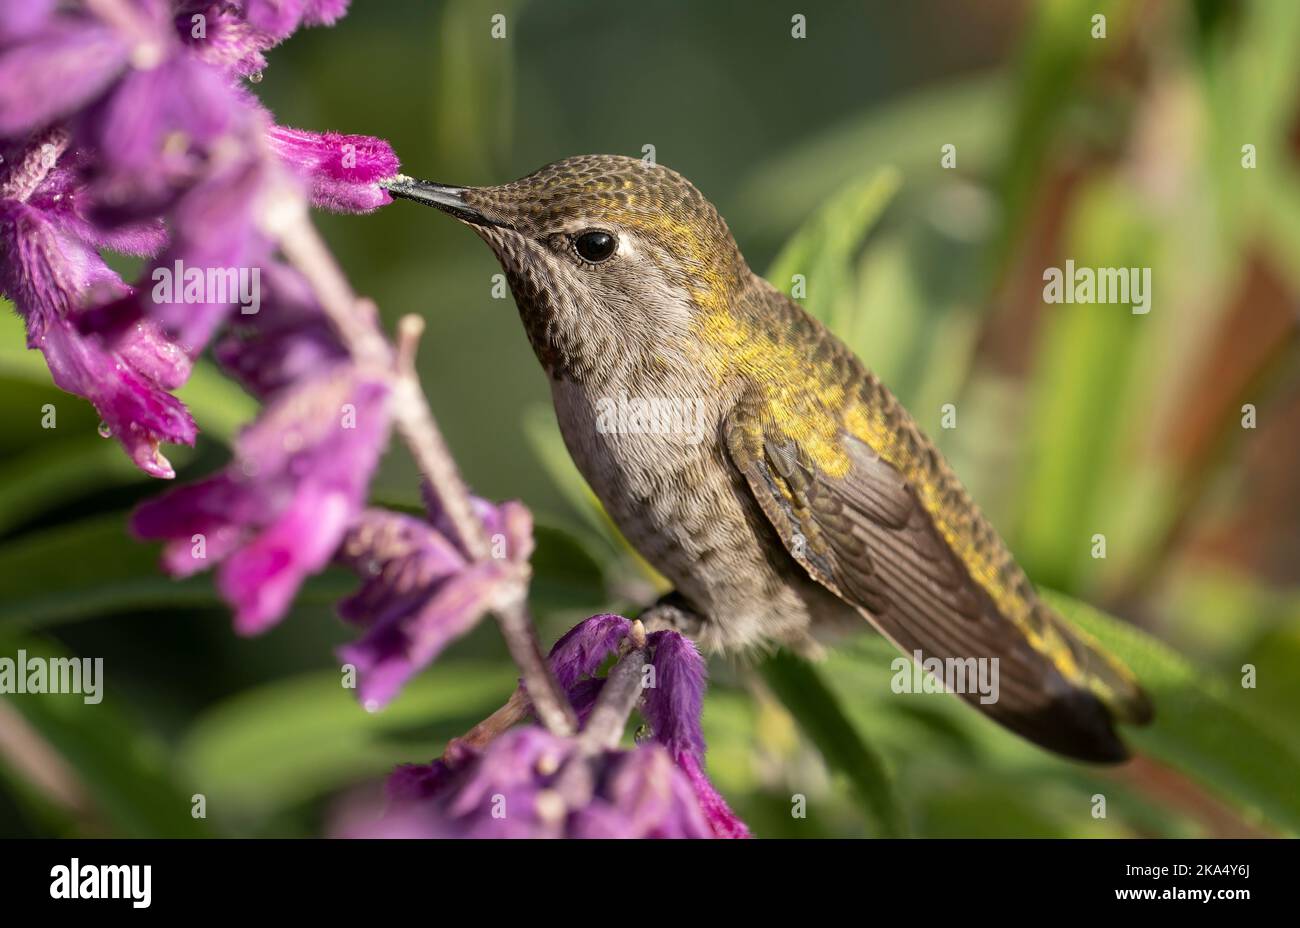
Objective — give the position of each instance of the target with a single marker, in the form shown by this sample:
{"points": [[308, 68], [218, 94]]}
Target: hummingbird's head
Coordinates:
{"points": [[611, 259]]}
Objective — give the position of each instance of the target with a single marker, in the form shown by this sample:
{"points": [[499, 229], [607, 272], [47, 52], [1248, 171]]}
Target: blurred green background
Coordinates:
{"points": [[825, 156]]}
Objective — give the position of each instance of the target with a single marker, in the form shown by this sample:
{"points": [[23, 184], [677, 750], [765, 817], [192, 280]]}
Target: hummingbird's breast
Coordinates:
{"points": [[653, 455]]}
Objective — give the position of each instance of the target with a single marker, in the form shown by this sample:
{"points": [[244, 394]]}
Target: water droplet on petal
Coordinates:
{"points": [[255, 77], [371, 705], [105, 430]]}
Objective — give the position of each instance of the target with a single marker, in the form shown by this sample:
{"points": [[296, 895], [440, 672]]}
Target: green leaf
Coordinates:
{"points": [[1202, 727], [125, 772], [565, 575], [1089, 393], [296, 739], [801, 688], [1249, 92], [904, 131], [86, 568], [1057, 52], [58, 473], [218, 404], [473, 87], [824, 247], [94, 567]]}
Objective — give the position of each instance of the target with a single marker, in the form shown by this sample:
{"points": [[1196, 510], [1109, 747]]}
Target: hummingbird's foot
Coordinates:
{"points": [[672, 612]]}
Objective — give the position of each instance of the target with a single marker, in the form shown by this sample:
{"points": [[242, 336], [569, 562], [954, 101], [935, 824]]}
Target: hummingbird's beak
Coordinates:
{"points": [[447, 198]]}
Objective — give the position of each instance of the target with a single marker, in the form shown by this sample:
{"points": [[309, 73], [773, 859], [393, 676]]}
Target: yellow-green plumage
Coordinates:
{"points": [[812, 435]]}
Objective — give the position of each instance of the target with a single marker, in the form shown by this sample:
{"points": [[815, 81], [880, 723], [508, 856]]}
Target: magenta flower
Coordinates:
{"points": [[278, 512], [50, 66], [126, 128], [580, 652], [674, 707], [222, 37], [342, 171], [529, 783], [280, 18], [50, 274], [420, 593], [288, 340]]}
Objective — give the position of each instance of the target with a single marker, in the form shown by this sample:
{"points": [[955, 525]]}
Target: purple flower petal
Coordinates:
{"points": [[260, 579], [155, 128], [393, 651], [135, 410], [63, 198], [280, 510], [644, 796], [21, 18], [324, 12], [227, 42], [510, 523], [583, 695], [723, 822], [529, 783], [282, 17], [342, 171], [52, 72], [47, 275], [509, 527], [420, 593], [400, 559], [409, 782], [220, 509], [286, 341], [674, 707], [213, 263], [583, 648]]}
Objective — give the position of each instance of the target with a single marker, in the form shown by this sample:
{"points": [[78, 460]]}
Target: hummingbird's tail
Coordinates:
{"points": [[1086, 664]]}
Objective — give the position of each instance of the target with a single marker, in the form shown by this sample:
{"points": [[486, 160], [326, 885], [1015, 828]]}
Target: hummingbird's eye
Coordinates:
{"points": [[594, 245]]}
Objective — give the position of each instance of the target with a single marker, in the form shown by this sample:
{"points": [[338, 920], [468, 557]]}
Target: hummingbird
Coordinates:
{"points": [[804, 500]]}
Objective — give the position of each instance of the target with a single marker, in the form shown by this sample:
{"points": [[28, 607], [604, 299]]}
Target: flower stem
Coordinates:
{"points": [[512, 713], [618, 697], [420, 431], [285, 218]]}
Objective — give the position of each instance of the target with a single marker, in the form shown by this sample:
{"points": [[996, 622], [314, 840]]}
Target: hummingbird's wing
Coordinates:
{"points": [[932, 578]]}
